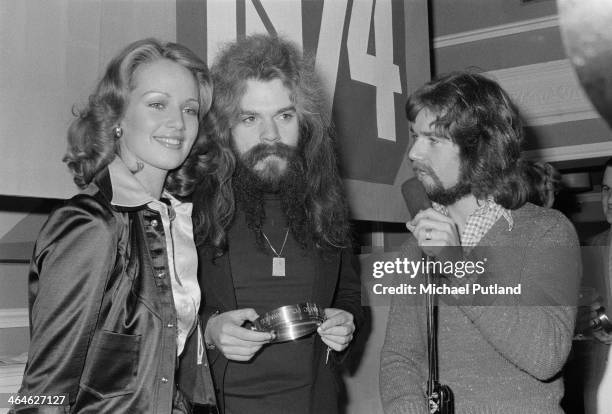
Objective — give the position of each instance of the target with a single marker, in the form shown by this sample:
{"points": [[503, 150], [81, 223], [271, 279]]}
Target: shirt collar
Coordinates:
{"points": [[488, 207], [439, 208], [127, 190]]}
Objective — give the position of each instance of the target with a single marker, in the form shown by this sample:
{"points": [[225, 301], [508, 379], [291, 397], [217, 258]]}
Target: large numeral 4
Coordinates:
{"points": [[379, 70]]}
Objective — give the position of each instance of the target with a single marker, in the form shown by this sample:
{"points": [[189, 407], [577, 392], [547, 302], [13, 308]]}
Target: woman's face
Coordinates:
{"points": [[160, 123]]}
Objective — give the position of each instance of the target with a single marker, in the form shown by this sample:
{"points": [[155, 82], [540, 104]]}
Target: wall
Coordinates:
{"points": [[55, 51], [20, 221], [40, 41]]}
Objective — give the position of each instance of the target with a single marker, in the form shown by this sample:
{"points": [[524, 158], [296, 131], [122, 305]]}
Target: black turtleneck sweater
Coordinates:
{"points": [[279, 377]]}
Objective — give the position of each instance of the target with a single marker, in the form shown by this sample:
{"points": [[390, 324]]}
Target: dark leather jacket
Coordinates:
{"points": [[102, 315]]}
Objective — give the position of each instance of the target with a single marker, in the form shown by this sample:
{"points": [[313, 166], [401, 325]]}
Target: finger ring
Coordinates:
{"points": [[428, 234]]}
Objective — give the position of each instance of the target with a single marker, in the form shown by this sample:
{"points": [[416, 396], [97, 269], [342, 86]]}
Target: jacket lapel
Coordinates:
{"points": [[325, 280], [216, 277]]}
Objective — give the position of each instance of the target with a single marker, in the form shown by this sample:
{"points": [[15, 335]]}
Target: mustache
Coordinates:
{"points": [[261, 151], [425, 168]]}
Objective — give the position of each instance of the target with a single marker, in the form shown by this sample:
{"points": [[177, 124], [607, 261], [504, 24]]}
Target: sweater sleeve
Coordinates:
{"points": [[403, 370], [403, 358], [74, 254], [535, 332]]}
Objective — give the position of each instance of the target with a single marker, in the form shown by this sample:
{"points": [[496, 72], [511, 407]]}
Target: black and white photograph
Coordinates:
{"points": [[306, 206]]}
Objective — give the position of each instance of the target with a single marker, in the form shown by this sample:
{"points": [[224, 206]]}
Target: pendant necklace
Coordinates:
{"points": [[278, 262]]}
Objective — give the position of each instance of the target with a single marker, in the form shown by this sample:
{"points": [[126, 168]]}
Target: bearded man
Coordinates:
{"points": [[500, 351], [288, 240]]}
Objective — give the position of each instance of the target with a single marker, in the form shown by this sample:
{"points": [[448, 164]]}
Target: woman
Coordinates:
{"points": [[113, 286]]}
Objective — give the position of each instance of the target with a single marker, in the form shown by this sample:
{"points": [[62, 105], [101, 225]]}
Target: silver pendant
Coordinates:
{"points": [[278, 266]]}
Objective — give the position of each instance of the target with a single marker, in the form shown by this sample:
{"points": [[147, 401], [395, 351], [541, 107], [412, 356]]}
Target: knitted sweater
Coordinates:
{"points": [[504, 357]]}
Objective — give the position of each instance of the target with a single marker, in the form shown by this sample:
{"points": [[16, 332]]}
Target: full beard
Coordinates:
{"points": [[251, 187], [266, 167], [445, 196]]}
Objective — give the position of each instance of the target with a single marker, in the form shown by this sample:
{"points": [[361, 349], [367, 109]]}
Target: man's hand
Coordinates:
{"points": [[587, 321], [225, 331], [337, 330], [434, 232]]}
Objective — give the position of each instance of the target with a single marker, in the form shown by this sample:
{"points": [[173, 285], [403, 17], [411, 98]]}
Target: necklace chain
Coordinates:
{"points": [[278, 254]]}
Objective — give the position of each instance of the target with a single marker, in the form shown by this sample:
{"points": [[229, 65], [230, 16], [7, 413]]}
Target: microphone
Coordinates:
{"points": [[440, 398], [415, 196]]}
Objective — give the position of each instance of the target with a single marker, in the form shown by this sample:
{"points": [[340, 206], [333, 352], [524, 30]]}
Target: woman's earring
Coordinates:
{"points": [[117, 132]]}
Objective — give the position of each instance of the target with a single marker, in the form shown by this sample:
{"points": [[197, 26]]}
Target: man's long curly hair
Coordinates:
{"points": [[265, 58], [475, 113]]}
